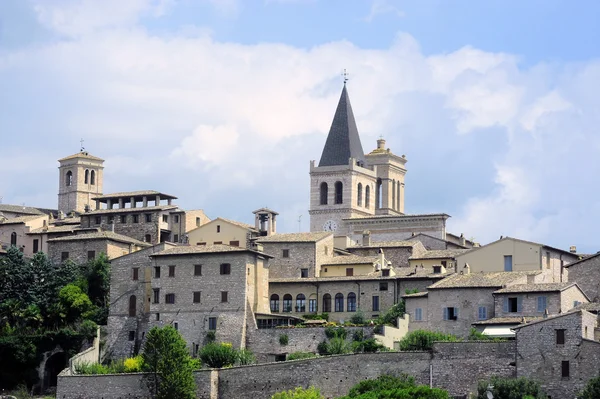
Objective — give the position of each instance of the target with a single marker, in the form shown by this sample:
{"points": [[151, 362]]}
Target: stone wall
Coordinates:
{"points": [[301, 256], [585, 274], [78, 250], [397, 255]]}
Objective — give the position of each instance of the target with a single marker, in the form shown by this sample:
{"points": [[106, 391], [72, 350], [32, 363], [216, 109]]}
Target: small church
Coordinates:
{"points": [[352, 193]]}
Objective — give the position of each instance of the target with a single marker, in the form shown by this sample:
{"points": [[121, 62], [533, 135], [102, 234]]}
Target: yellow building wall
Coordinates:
{"points": [[340, 271], [526, 257], [23, 239], [209, 233]]}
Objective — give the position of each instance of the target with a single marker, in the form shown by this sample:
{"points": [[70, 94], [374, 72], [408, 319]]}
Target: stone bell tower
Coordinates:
{"points": [[80, 179]]}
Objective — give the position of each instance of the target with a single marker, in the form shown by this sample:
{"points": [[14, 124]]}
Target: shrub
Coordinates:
{"points": [[335, 332], [246, 357], [196, 364], [358, 318], [402, 387], [218, 355], [592, 389], [422, 340], [475, 335], [133, 364], [90, 368], [390, 317], [510, 388], [358, 335], [300, 355], [383, 382], [322, 316], [368, 345], [284, 339], [299, 393], [323, 348], [211, 336], [338, 346]]}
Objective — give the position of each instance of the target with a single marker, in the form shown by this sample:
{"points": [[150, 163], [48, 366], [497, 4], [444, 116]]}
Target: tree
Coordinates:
{"points": [[592, 389], [98, 279], [422, 340], [390, 387], [75, 304], [165, 356], [218, 355], [510, 388]]}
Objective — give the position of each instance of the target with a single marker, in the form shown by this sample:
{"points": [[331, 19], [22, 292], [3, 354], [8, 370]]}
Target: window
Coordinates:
{"points": [[218, 228], [98, 220], [576, 303], [148, 217], [170, 298], [339, 199], [176, 325], [304, 273], [196, 296], [383, 286], [482, 313], [560, 337], [218, 242], [69, 178], [359, 195], [175, 237], [437, 269], [286, 253], [225, 268], [326, 303], [385, 272], [156, 295], [156, 271], [312, 305], [223, 296], [541, 303], [367, 196], [349, 271], [13, 239], [300, 303], [513, 304], [212, 323], [287, 303], [176, 218], [275, 303], [508, 265], [339, 302], [157, 316], [451, 313], [132, 335], [565, 369], [351, 306], [418, 314], [375, 303], [171, 271], [197, 270], [124, 219], [444, 263], [132, 305], [165, 218], [136, 273], [200, 243], [547, 260], [111, 219], [324, 193], [64, 256], [148, 238], [87, 176], [136, 218], [234, 243], [93, 178], [36, 245], [91, 255]]}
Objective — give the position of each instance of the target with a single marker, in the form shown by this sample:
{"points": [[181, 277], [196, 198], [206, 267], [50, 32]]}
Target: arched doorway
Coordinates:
{"points": [[54, 365]]}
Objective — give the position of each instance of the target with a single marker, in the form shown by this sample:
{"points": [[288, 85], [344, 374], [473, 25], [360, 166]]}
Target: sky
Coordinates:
{"points": [[223, 103]]}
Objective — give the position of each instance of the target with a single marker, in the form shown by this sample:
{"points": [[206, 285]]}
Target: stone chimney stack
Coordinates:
{"points": [[381, 144], [462, 240], [467, 269], [366, 238], [381, 258], [573, 249]]}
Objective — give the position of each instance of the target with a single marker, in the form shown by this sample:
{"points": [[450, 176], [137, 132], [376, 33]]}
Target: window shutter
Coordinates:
{"points": [[455, 313], [445, 313], [505, 305], [519, 304]]}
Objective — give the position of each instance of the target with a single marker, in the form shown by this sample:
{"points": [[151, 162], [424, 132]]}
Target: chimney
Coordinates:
{"points": [[381, 144], [546, 314], [467, 269], [573, 249], [366, 241], [61, 215], [381, 258], [462, 240]]}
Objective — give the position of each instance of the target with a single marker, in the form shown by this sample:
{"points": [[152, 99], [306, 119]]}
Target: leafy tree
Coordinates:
{"points": [[389, 387], [75, 303], [422, 340], [510, 388], [390, 317], [299, 393], [338, 346], [218, 355], [592, 389], [98, 280], [165, 356], [358, 318]]}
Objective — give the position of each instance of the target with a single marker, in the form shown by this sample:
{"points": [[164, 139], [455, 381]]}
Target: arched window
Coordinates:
{"points": [[359, 195], [132, 305], [367, 196], [87, 176], [275, 303], [339, 199], [287, 303], [300, 303], [339, 302], [148, 238], [93, 177], [326, 303], [398, 197], [13, 239], [324, 193], [378, 196], [351, 302], [69, 178], [393, 194]]}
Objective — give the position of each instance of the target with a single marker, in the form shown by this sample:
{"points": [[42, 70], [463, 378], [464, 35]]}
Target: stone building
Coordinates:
{"points": [[442, 258], [586, 273], [451, 242], [223, 231], [15, 232], [80, 179]]}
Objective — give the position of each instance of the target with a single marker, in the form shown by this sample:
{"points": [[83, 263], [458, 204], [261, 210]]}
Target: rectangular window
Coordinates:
{"points": [[123, 218], [218, 228], [508, 265], [223, 296], [136, 273], [197, 222], [91, 255], [196, 296], [286, 253], [513, 304], [383, 286], [157, 316], [418, 314], [234, 243], [437, 269], [148, 217], [165, 218], [225, 268], [176, 218], [200, 243], [560, 337], [385, 272], [98, 219], [156, 271], [565, 372], [170, 298], [172, 271], [547, 260], [156, 295], [175, 237], [349, 271], [64, 256], [444, 263], [312, 305], [482, 313], [212, 323], [176, 325], [451, 313], [541, 303], [375, 303], [197, 270], [217, 242], [136, 218], [132, 335], [304, 273], [36, 244]]}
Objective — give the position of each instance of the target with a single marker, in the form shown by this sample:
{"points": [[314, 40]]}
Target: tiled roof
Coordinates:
{"points": [[295, 237], [236, 223], [440, 254], [350, 260], [135, 194], [205, 249], [416, 295], [57, 229], [20, 209], [396, 216], [332, 279], [130, 210], [426, 272], [82, 154], [583, 260], [21, 219], [480, 280], [387, 244], [101, 235], [506, 320], [542, 319], [65, 221], [589, 306], [542, 287], [265, 210], [343, 141], [525, 242]]}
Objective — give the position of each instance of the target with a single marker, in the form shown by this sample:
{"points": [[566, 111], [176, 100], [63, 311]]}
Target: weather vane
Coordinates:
{"points": [[345, 76], [82, 147]]}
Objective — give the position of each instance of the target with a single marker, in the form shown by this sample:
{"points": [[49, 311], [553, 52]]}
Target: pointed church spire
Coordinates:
{"points": [[343, 141]]}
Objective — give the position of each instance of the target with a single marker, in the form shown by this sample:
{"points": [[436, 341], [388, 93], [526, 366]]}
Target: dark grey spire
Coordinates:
{"points": [[343, 141]]}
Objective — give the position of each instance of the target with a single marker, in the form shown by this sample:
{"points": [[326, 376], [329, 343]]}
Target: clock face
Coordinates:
{"points": [[330, 225]]}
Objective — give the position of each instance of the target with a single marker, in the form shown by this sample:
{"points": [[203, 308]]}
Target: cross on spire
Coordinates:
{"points": [[345, 75], [82, 147]]}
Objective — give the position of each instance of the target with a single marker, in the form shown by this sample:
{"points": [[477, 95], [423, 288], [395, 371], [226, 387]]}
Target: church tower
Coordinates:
{"points": [[80, 179], [389, 197]]}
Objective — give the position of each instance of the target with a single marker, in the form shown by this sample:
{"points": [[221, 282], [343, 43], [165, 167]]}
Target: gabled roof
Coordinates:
{"points": [[522, 241], [583, 260], [387, 244], [350, 260], [295, 237], [507, 320], [553, 317], [480, 280], [343, 141], [102, 235], [539, 287], [228, 221], [416, 238], [206, 249], [27, 210], [440, 254], [143, 193], [21, 219]]}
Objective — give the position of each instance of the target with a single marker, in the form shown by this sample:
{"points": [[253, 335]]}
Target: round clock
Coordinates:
{"points": [[330, 225]]}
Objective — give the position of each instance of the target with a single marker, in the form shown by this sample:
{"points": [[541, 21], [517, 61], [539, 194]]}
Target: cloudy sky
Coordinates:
{"points": [[223, 103]]}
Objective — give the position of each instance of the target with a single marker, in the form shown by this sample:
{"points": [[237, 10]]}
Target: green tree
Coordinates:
{"points": [[166, 357], [390, 387], [75, 303], [510, 388], [218, 355], [592, 390], [422, 340], [299, 393], [390, 317], [98, 282]]}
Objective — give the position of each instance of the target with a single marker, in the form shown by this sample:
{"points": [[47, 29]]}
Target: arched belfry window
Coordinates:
{"points": [[93, 177], [324, 193], [69, 178], [398, 196], [359, 195], [393, 194], [87, 176], [13, 239], [378, 196], [367, 196], [339, 187], [132, 305]]}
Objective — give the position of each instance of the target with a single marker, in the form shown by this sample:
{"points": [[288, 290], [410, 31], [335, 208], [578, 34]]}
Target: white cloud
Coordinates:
{"points": [[208, 145], [379, 7]]}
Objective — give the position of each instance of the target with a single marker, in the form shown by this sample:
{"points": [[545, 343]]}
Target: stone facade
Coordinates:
{"points": [[16, 231], [82, 250], [80, 179], [557, 301], [398, 254], [586, 273]]}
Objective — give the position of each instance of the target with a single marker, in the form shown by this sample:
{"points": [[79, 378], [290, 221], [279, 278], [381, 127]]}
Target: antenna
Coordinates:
{"points": [[299, 223], [345, 75]]}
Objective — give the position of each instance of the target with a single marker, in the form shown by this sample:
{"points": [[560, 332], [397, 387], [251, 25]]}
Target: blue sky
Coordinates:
{"points": [[224, 102]]}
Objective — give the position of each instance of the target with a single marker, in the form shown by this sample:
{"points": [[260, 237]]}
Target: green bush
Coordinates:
{"points": [[322, 316], [358, 335], [300, 355], [389, 387], [591, 390], [90, 368], [369, 345], [475, 335], [245, 357], [510, 388], [196, 364], [390, 317], [338, 346], [336, 332], [358, 318], [383, 382], [322, 348], [299, 393], [211, 336], [133, 364], [218, 355], [284, 339], [422, 340]]}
